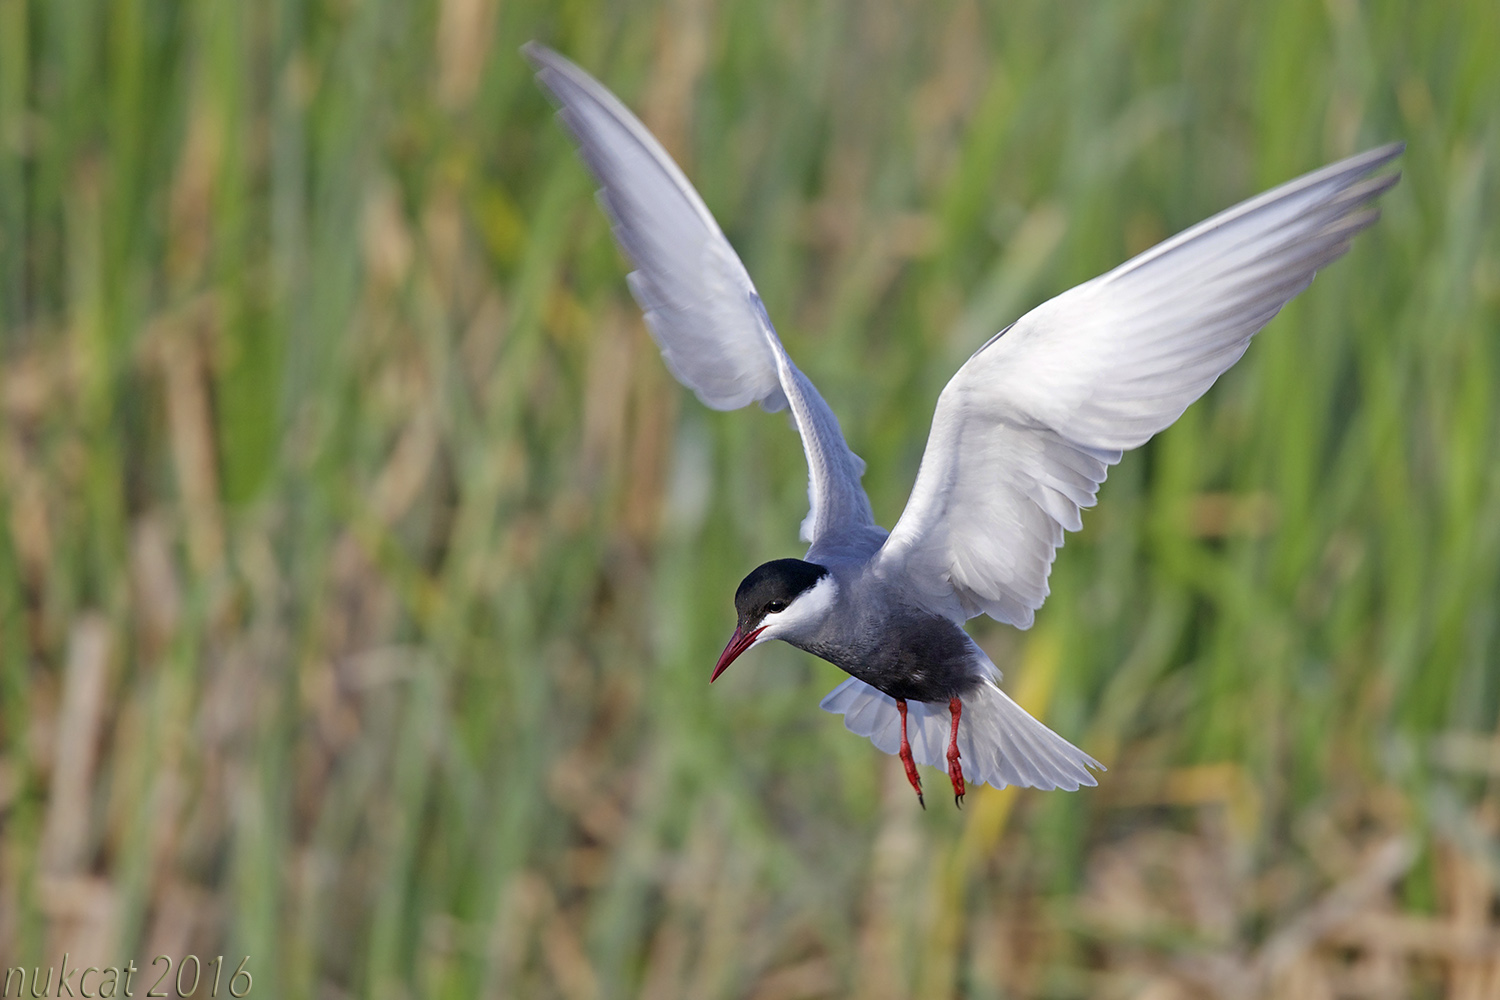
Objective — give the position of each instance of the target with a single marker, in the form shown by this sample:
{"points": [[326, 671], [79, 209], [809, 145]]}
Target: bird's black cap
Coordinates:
{"points": [[772, 586]]}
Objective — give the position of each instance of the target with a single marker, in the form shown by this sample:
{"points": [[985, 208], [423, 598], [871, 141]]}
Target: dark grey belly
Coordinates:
{"points": [[917, 657]]}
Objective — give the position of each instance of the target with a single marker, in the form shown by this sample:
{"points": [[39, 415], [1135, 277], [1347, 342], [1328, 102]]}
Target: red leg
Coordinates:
{"points": [[955, 772], [907, 762]]}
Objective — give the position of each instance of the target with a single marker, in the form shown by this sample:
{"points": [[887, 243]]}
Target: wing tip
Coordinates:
{"points": [[1357, 165], [543, 57], [1385, 153], [552, 69]]}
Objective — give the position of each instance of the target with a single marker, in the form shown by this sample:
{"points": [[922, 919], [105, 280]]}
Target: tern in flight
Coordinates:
{"points": [[1022, 437]]}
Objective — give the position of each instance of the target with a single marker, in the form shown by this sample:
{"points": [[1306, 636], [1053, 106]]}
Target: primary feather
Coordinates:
{"points": [[1026, 431], [700, 304]]}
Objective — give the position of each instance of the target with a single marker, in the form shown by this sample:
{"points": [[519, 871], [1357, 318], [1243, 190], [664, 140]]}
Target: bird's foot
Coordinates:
{"points": [[955, 770], [906, 758], [956, 776], [916, 782]]}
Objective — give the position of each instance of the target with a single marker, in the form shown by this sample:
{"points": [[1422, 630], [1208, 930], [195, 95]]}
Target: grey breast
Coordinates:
{"points": [[895, 647]]}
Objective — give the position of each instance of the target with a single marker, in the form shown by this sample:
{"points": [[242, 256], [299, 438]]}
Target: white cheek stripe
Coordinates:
{"points": [[808, 609]]}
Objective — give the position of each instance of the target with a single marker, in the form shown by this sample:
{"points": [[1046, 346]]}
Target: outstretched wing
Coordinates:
{"points": [[1026, 431], [700, 304]]}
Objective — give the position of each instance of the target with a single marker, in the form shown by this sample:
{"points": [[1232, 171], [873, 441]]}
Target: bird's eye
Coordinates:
{"points": [[776, 606]]}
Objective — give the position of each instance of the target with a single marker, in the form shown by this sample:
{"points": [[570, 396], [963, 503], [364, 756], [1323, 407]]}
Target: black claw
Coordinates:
{"points": [[921, 802], [958, 800]]}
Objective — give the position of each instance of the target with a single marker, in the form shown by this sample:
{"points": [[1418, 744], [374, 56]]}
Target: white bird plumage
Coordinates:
{"points": [[1024, 433], [700, 304], [1027, 429]]}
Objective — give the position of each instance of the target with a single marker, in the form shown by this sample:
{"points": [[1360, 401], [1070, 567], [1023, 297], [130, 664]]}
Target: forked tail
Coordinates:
{"points": [[999, 743]]}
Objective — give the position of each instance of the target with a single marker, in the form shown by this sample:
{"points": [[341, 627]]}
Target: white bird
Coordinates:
{"points": [[1022, 437]]}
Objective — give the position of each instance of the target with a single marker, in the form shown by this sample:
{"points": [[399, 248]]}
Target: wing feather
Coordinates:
{"points": [[700, 304], [1026, 431]]}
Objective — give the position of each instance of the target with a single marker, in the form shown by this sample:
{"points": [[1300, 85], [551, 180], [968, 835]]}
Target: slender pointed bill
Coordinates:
{"points": [[738, 643]]}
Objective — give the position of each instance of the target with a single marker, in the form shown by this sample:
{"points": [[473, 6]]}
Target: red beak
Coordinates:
{"points": [[738, 643]]}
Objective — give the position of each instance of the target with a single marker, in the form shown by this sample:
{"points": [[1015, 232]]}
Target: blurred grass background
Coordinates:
{"points": [[362, 568]]}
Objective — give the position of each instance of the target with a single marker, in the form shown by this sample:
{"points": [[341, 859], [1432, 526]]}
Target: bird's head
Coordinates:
{"points": [[781, 599]]}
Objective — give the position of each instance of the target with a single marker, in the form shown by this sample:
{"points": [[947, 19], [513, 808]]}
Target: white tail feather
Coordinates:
{"points": [[999, 743]]}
